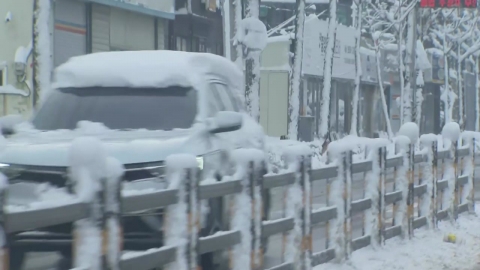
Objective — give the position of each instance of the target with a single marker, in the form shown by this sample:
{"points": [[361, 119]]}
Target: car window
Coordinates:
{"points": [[228, 101], [119, 108], [214, 102]]}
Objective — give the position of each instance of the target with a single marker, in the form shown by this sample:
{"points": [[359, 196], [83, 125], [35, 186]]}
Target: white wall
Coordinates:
{"points": [[16, 33]]}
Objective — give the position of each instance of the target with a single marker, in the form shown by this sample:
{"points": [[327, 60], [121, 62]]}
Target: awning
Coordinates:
{"points": [[157, 8]]}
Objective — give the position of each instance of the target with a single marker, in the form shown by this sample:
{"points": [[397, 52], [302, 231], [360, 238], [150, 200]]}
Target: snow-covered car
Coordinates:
{"points": [[144, 106]]}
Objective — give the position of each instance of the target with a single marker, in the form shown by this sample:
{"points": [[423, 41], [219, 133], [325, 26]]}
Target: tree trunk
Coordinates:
{"points": [[409, 69], [296, 75], [357, 22], [382, 93], [327, 70], [252, 69]]}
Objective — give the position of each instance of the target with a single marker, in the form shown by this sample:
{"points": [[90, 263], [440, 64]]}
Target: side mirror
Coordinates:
{"points": [[225, 121], [7, 131]]}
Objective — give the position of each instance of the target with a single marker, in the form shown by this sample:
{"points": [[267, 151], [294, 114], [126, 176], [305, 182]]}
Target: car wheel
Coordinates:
{"points": [[16, 259]]}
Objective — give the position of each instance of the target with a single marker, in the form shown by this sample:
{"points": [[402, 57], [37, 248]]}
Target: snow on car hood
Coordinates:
{"points": [[128, 147]]}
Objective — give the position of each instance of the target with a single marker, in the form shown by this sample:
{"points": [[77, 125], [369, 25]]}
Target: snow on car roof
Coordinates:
{"points": [[145, 69]]}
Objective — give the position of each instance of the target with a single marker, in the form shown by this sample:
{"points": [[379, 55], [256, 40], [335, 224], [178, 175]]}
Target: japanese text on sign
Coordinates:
{"points": [[448, 3]]}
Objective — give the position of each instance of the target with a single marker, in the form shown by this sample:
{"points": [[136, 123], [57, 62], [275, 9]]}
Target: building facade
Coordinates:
{"points": [[198, 28], [76, 27], [82, 27], [16, 47]]}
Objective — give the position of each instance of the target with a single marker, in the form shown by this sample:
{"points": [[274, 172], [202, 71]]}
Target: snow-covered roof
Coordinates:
{"points": [[145, 69]]}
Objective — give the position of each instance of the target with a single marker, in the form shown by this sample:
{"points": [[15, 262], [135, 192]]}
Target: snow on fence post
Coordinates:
{"points": [[426, 209], [88, 170], [412, 131], [472, 177], [295, 209], [247, 216], [451, 132], [256, 172], [181, 219], [469, 168], [347, 197], [113, 214], [382, 160], [401, 216], [4, 245], [434, 203], [304, 153]]}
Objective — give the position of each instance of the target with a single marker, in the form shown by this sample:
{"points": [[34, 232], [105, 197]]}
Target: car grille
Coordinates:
{"points": [[58, 176]]}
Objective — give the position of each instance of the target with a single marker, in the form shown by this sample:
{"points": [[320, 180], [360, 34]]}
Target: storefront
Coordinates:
{"points": [[343, 74], [82, 27]]}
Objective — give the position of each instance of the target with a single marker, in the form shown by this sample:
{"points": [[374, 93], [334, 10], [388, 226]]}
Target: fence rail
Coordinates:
{"points": [[181, 201]]}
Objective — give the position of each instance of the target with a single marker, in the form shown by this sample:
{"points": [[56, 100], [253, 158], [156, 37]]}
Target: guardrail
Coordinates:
{"points": [[97, 212]]}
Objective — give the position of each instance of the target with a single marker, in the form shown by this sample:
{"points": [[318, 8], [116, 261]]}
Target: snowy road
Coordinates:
{"points": [[38, 261]]}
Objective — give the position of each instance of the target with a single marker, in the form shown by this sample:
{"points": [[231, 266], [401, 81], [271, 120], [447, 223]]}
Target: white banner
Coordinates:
{"points": [[315, 44]]}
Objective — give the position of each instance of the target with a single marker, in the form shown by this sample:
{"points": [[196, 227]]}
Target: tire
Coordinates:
{"points": [[17, 258]]}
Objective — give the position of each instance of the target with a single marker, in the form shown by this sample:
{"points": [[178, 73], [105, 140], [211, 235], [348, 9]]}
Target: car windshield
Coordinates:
{"points": [[119, 108]]}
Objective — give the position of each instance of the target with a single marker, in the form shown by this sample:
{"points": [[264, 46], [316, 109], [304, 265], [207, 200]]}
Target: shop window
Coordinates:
{"points": [[181, 44]]}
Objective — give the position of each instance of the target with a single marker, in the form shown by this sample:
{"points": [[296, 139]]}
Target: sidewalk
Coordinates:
{"points": [[426, 251]]}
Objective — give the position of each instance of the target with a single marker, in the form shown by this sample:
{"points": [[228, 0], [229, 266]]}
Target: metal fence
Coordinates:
{"points": [[182, 200]]}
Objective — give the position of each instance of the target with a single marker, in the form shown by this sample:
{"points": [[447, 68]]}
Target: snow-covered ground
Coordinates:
{"points": [[427, 250]]}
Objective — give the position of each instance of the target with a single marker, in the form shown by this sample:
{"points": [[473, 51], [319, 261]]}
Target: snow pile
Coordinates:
{"points": [[11, 120], [12, 90], [451, 131], [253, 34], [177, 224], [140, 69], [426, 251], [46, 196], [410, 130]]}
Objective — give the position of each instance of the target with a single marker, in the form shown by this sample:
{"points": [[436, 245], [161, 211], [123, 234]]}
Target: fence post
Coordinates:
{"points": [[113, 214], [248, 208], [347, 185], [411, 183], [256, 170], [306, 184], [4, 248], [180, 219], [88, 170], [472, 191], [454, 205], [434, 203], [382, 159]]}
